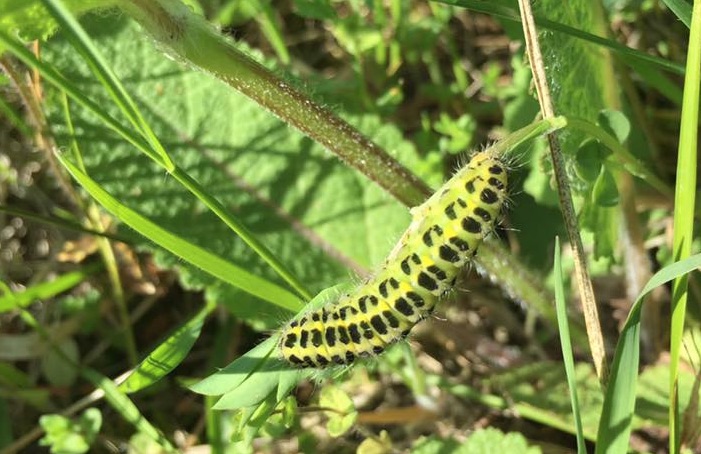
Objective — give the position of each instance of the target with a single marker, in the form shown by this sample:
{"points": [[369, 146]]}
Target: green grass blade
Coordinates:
{"points": [[619, 402], [207, 261], [5, 424], [566, 343], [652, 76], [502, 12], [60, 223], [17, 121], [681, 9], [684, 203], [217, 208], [271, 29], [125, 407], [119, 401], [168, 355], [46, 290], [72, 90], [83, 44]]}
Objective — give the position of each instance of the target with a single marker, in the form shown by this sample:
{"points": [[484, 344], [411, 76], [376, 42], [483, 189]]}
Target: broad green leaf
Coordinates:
{"points": [[320, 217], [615, 123], [31, 20], [342, 414], [490, 440], [589, 160], [582, 84], [57, 371], [168, 355], [315, 9], [65, 436], [605, 192]]}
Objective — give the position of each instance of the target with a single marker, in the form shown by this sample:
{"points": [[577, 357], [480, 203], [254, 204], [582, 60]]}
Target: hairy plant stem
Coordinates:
{"points": [[189, 38]]}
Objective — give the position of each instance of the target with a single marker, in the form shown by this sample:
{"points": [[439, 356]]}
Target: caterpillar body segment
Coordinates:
{"points": [[443, 236]]}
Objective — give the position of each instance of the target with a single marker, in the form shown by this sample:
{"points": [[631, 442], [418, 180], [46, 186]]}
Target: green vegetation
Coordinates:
{"points": [[177, 180]]}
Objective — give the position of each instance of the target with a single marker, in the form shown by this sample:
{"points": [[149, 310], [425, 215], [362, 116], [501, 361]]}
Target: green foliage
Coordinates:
{"points": [[31, 20], [169, 353], [339, 409], [229, 142], [322, 219], [66, 436], [482, 441]]}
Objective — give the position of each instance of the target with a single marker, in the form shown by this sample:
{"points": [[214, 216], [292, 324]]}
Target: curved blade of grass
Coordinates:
{"points": [[619, 402], [684, 203], [14, 118], [119, 402], [126, 408], [60, 223], [46, 289], [526, 411], [168, 355], [566, 343], [510, 14], [72, 90], [236, 372], [211, 263], [681, 9], [83, 44], [193, 186]]}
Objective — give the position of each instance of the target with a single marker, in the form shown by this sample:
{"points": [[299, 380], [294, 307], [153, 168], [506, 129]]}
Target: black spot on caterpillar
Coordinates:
{"points": [[442, 238]]}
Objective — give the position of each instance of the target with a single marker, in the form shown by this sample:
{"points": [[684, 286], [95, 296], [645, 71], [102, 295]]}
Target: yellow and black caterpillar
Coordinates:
{"points": [[442, 238]]}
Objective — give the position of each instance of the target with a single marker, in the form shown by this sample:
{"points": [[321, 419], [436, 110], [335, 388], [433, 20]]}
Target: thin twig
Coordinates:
{"points": [[586, 291]]}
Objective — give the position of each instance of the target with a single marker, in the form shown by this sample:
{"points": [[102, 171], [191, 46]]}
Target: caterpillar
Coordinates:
{"points": [[442, 237]]}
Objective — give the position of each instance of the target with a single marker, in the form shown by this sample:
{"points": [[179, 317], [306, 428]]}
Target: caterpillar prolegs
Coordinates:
{"points": [[442, 238]]}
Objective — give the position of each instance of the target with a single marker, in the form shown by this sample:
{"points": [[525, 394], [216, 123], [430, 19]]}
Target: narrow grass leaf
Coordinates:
{"points": [[684, 203], [207, 261], [565, 342], [681, 9], [193, 186], [46, 290], [168, 355], [126, 408], [619, 402], [262, 357], [253, 390], [84, 45], [237, 372], [61, 223], [503, 12], [119, 401], [54, 77]]}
